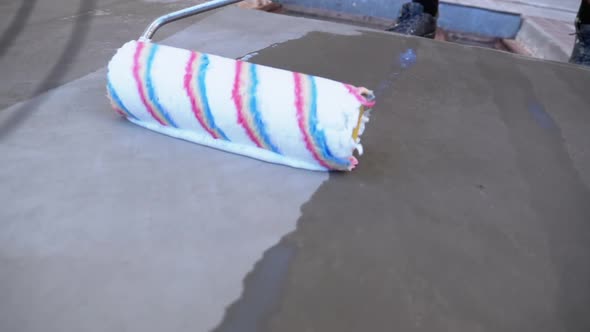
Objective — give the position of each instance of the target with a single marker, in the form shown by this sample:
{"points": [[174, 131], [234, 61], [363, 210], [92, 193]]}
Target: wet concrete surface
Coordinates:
{"points": [[469, 210]]}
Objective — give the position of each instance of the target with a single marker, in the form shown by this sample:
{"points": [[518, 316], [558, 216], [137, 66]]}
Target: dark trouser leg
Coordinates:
{"points": [[584, 12], [430, 6], [415, 18], [581, 52]]}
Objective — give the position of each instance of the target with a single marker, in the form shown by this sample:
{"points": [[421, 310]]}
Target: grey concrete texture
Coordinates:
{"points": [[106, 226], [517, 5], [561, 4], [547, 39], [46, 43], [469, 210]]}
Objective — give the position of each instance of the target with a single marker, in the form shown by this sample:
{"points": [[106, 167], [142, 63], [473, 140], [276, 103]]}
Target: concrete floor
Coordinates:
{"points": [[469, 211], [44, 44], [566, 5]]}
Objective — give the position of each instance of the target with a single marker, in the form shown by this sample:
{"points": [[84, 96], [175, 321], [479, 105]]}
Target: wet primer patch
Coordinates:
{"points": [[407, 242]]}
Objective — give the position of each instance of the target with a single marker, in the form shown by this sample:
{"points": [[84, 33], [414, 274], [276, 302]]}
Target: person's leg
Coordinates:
{"points": [[417, 18], [581, 52], [430, 6], [584, 12]]}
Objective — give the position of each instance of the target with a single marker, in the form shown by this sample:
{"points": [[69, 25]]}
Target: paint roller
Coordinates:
{"points": [[266, 113]]}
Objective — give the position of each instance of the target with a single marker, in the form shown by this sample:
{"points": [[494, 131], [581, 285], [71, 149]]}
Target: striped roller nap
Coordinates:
{"points": [[265, 113]]}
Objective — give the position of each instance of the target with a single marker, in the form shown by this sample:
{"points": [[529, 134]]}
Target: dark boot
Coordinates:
{"points": [[414, 21], [581, 52]]}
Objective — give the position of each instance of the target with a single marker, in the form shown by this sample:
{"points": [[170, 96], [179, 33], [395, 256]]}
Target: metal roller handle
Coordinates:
{"points": [[183, 13]]}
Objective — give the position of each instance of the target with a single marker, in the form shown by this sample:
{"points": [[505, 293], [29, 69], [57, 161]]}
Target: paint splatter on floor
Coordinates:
{"points": [[541, 117], [408, 58]]}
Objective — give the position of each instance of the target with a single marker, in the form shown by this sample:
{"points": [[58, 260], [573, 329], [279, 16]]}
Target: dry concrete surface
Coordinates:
{"points": [[469, 211]]}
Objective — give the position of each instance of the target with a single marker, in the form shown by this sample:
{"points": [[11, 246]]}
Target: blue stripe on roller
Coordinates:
{"points": [[150, 86], [205, 100], [118, 101], [317, 133], [260, 127]]}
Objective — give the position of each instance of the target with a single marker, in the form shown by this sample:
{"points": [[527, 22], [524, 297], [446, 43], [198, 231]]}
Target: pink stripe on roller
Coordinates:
{"points": [[188, 79], [136, 75], [239, 102], [114, 105], [356, 92], [302, 119], [353, 162], [118, 110]]}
